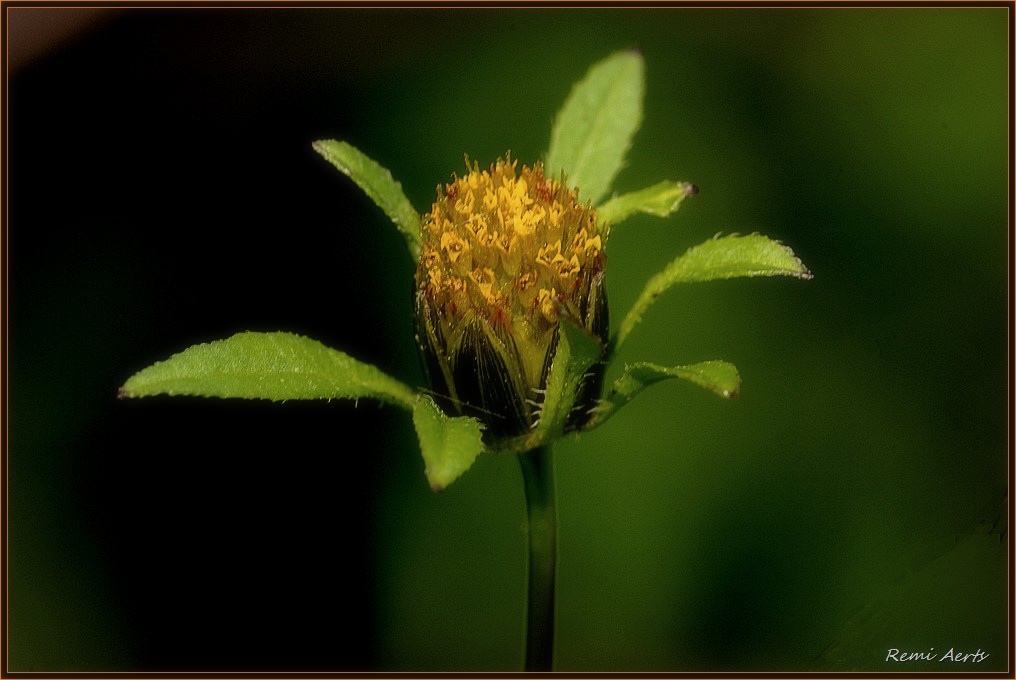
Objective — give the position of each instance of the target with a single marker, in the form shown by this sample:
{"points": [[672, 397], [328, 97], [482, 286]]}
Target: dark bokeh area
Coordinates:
{"points": [[162, 191]]}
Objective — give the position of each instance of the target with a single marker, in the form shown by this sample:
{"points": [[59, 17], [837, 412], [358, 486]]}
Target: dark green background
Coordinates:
{"points": [[163, 191]]}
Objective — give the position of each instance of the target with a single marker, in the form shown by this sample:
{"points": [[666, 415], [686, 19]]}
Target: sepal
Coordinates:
{"points": [[449, 445], [594, 128], [719, 377], [660, 200], [723, 257], [275, 366], [379, 185]]}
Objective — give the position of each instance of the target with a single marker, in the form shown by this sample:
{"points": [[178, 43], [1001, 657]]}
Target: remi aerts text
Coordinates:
{"points": [[953, 655]]}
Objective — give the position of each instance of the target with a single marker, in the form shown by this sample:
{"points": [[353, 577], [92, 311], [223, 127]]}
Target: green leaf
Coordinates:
{"points": [[719, 258], [449, 445], [577, 350], [276, 366], [719, 377], [594, 128], [660, 200], [377, 182]]}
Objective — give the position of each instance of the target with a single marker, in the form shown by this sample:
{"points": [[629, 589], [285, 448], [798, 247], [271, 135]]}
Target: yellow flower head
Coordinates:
{"points": [[506, 255]]}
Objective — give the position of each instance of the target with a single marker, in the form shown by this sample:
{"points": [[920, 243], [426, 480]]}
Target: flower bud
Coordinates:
{"points": [[507, 256]]}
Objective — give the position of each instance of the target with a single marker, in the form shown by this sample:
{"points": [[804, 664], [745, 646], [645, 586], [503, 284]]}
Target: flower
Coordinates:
{"points": [[506, 255]]}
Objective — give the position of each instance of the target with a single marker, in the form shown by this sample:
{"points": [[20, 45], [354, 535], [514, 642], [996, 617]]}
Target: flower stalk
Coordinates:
{"points": [[541, 531]]}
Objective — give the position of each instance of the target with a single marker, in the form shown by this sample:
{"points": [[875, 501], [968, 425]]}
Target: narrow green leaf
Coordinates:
{"points": [[276, 366], [449, 445], [576, 352], [594, 128], [719, 377], [719, 258], [659, 200], [377, 182]]}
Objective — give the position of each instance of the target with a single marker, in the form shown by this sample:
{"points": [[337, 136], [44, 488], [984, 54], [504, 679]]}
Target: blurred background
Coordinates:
{"points": [[162, 191]]}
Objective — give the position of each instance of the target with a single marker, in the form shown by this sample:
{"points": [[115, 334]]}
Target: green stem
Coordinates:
{"points": [[538, 477]]}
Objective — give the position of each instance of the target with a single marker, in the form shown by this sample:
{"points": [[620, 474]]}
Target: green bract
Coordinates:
{"points": [[590, 137]]}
